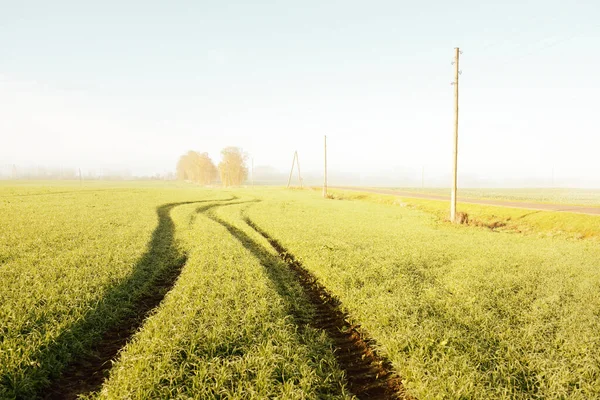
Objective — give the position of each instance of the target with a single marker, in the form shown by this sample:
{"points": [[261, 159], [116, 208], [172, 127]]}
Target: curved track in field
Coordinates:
{"points": [[86, 373], [368, 374]]}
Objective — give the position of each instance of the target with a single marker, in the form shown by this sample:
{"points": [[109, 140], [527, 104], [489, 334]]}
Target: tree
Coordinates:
{"points": [[196, 167], [183, 167], [232, 168]]}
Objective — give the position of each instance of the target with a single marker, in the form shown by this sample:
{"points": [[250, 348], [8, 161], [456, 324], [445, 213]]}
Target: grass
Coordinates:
{"points": [[463, 312], [505, 219], [587, 197], [231, 327], [89, 259], [471, 311], [73, 266]]}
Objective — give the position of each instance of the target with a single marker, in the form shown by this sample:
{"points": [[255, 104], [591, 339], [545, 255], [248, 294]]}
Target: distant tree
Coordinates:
{"points": [[196, 167], [182, 168], [232, 168]]}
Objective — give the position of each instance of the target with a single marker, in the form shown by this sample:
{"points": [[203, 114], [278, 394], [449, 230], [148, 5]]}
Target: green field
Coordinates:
{"points": [[499, 219], [588, 197], [202, 305]]}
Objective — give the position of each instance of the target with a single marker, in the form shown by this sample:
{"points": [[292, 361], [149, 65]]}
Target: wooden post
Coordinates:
{"points": [[455, 161], [325, 170], [299, 175], [292, 170]]}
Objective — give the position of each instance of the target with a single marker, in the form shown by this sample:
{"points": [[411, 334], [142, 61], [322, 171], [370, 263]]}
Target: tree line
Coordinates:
{"points": [[199, 168]]}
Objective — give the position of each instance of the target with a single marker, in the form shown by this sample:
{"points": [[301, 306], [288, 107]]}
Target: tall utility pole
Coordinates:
{"points": [[292, 170], [454, 168], [325, 170], [299, 175]]}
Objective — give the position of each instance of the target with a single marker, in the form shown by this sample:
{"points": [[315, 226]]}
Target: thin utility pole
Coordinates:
{"points": [[454, 168], [325, 171], [296, 161], [292, 170], [299, 176]]}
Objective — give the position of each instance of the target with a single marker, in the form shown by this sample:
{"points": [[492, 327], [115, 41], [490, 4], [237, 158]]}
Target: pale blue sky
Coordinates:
{"points": [[136, 84]]}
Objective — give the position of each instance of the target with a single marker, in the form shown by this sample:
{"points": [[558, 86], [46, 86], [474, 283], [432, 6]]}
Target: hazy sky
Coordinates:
{"points": [[137, 83]]}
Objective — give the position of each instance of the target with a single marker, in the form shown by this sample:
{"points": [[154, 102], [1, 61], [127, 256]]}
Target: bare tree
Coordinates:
{"points": [[232, 168]]}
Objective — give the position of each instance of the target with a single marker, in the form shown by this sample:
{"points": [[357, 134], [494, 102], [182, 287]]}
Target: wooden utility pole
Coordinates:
{"points": [[455, 163], [296, 161], [292, 170], [325, 171], [299, 175]]}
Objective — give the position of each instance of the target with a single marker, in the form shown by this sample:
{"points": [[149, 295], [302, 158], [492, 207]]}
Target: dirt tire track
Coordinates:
{"points": [[87, 372], [369, 375]]}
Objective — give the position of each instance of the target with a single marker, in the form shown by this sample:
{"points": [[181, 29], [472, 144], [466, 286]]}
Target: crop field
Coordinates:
{"points": [[499, 219], [159, 290], [588, 197]]}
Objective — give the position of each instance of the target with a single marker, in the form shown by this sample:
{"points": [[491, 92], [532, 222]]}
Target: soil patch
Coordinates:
{"points": [[369, 375]]}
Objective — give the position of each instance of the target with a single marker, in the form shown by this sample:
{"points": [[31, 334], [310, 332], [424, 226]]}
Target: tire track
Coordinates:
{"points": [[369, 375], [86, 373]]}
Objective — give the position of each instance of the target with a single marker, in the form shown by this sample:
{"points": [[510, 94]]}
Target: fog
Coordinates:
{"points": [[124, 91]]}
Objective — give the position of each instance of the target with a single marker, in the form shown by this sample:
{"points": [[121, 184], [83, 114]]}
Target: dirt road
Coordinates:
{"points": [[513, 204]]}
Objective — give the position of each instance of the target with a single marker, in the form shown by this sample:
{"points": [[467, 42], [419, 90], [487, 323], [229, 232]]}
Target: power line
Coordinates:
{"points": [[515, 33], [554, 44], [544, 43]]}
